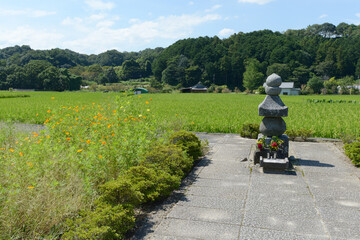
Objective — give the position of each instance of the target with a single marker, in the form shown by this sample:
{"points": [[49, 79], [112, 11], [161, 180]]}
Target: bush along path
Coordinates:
{"points": [[157, 175]]}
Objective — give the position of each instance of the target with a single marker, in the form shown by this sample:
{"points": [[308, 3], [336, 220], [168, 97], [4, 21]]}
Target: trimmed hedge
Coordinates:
{"points": [[188, 142]]}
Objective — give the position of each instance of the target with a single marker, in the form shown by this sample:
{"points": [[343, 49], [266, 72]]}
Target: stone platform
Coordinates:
{"points": [[227, 197]]}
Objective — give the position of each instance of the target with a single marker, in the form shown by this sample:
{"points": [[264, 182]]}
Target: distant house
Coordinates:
{"points": [[140, 90], [287, 88], [198, 88]]}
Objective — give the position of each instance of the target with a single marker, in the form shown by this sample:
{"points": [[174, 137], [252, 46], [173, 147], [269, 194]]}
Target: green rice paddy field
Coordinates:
{"points": [[220, 113]]}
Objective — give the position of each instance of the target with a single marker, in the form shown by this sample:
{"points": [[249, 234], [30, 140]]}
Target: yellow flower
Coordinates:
{"points": [[109, 126], [148, 110], [11, 150], [80, 150], [52, 97], [100, 156], [88, 141], [29, 164], [31, 187], [147, 102], [48, 111]]}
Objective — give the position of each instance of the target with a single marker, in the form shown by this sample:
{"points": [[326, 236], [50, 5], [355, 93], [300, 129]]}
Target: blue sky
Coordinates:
{"points": [[94, 26]]}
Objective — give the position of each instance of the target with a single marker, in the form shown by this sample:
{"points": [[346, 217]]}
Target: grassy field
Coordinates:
{"points": [[91, 138], [223, 113]]}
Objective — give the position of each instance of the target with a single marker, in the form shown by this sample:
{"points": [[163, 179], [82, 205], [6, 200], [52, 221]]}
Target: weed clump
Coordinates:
{"points": [[250, 130]]}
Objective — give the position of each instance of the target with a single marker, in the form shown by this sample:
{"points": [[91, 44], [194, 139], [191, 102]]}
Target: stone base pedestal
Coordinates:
{"points": [[274, 163], [280, 161]]}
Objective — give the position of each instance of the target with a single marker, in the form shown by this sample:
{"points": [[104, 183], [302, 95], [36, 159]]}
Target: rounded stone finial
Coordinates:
{"points": [[273, 80]]}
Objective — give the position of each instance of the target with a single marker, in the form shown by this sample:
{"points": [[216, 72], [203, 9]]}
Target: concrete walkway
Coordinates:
{"points": [[232, 199]]}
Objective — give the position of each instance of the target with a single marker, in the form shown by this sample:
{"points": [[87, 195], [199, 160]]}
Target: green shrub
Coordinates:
{"points": [[170, 159], [105, 222], [261, 90], [188, 142], [120, 191], [352, 150], [303, 133], [152, 183], [250, 130], [292, 134]]}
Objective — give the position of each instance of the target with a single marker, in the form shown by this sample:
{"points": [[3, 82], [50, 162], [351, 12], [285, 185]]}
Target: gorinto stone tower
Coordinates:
{"points": [[274, 144]]}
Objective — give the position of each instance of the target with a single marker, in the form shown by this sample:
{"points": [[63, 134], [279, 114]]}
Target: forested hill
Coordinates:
{"points": [[242, 60]]}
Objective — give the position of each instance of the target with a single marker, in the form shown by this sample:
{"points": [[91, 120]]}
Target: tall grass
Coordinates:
{"points": [[47, 176]]}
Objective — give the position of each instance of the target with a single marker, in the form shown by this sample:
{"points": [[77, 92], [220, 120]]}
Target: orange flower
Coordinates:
{"points": [[29, 164], [147, 102], [103, 143], [52, 97], [21, 154], [88, 141], [48, 111], [31, 187], [109, 125], [68, 139], [100, 156], [11, 150]]}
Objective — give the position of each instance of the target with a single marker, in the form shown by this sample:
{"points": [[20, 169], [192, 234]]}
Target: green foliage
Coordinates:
{"points": [[152, 183], [105, 222], [291, 133], [303, 133], [352, 150], [188, 142], [315, 83], [253, 78], [250, 130], [261, 90], [168, 158]]}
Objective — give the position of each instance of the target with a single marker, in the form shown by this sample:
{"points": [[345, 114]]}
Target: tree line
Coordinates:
{"points": [[321, 55]]}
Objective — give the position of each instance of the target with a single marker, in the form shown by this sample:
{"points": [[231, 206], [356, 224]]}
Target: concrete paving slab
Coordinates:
{"points": [[284, 223], [197, 229], [234, 192], [207, 214], [243, 181], [212, 202], [229, 199], [248, 233]]}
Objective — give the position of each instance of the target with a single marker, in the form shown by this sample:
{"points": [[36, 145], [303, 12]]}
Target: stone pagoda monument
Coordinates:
{"points": [[272, 145]]}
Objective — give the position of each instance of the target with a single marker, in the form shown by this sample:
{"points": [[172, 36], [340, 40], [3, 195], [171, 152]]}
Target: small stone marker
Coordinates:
{"points": [[273, 146]]}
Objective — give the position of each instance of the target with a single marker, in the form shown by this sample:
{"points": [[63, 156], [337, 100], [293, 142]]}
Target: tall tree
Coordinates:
{"points": [[253, 78]]}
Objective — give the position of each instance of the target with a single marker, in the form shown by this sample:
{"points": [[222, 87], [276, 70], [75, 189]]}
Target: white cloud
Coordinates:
{"points": [[323, 16], [358, 15], [213, 8], [100, 5], [260, 2], [36, 38], [26, 12], [104, 36], [226, 32]]}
